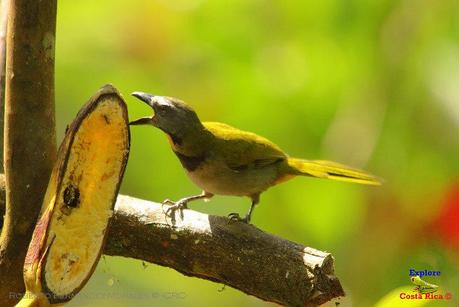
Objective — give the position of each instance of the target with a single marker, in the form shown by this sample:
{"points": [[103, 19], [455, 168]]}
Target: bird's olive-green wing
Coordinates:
{"points": [[242, 149]]}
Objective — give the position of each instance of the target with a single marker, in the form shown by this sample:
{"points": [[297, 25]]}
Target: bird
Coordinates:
{"points": [[422, 286], [223, 160]]}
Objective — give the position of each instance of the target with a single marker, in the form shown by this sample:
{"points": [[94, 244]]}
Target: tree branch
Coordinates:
{"points": [[235, 254], [30, 145], [238, 255]]}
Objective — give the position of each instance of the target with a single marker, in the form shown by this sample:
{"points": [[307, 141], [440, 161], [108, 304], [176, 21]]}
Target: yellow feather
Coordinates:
{"points": [[331, 170]]}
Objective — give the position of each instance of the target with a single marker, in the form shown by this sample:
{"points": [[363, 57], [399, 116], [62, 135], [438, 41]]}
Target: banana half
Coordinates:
{"points": [[70, 234]]}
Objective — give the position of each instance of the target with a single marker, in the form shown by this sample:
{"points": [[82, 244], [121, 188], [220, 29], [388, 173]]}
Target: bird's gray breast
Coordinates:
{"points": [[214, 176]]}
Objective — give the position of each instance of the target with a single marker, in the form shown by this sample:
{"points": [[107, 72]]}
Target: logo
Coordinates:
{"points": [[423, 289]]}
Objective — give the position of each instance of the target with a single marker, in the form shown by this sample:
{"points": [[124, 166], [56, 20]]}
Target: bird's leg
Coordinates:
{"points": [[183, 203], [236, 217]]}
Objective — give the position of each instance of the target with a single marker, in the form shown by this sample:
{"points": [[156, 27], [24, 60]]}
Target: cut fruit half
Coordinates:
{"points": [[70, 234]]}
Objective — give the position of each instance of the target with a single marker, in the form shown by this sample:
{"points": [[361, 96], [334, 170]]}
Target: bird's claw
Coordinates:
{"points": [[174, 206], [235, 217]]}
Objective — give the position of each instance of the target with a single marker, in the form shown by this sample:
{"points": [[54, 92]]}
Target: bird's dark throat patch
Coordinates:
{"points": [[190, 163], [174, 139]]}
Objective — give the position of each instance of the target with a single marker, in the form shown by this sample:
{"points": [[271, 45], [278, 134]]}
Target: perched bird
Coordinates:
{"points": [[223, 160], [422, 286]]}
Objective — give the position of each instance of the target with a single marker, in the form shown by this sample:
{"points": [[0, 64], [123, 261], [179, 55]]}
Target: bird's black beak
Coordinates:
{"points": [[148, 99], [142, 121], [155, 102], [145, 97]]}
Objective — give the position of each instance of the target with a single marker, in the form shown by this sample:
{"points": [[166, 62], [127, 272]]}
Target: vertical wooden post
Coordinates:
{"points": [[29, 133]]}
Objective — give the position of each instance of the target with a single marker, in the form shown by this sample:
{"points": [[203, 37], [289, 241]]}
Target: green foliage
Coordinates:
{"points": [[372, 84]]}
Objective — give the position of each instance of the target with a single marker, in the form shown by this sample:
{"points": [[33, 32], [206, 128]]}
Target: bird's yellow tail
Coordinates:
{"points": [[330, 170]]}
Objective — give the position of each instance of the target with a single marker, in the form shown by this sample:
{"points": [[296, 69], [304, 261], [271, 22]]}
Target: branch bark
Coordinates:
{"points": [[29, 141], [235, 254]]}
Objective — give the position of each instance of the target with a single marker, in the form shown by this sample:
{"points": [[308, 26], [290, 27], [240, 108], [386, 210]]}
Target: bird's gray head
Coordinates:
{"points": [[171, 115]]}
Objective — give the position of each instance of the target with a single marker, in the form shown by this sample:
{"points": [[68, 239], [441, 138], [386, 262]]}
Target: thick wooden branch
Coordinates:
{"points": [[235, 254], [29, 145]]}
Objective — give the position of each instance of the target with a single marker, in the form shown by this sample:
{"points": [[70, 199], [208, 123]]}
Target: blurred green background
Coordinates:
{"points": [[373, 84]]}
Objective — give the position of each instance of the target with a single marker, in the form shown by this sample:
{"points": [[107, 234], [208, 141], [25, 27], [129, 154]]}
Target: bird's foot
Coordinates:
{"points": [[235, 217], [175, 205]]}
